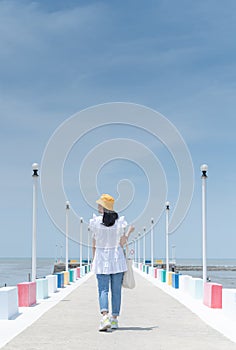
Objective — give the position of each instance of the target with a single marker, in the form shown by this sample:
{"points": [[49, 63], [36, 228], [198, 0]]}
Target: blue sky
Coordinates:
{"points": [[176, 57]]}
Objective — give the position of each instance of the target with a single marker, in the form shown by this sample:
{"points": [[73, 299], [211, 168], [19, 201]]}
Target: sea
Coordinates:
{"points": [[17, 270], [225, 277]]}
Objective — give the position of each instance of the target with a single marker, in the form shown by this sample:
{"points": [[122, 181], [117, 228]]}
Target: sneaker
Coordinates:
{"points": [[114, 323], [105, 323]]}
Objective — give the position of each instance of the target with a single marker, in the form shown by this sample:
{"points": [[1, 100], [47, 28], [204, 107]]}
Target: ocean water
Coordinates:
{"points": [[13, 271], [17, 270], [226, 278], [214, 262]]}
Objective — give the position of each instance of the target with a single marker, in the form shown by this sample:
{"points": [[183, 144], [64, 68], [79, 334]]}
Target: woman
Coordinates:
{"points": [[109, 264]]}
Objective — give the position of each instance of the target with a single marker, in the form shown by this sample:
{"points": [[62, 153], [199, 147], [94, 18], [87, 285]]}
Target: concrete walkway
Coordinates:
{"points": [[150, 319]]}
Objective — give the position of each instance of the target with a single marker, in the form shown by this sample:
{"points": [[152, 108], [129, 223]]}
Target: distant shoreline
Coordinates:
{"points": [[209, 268]]}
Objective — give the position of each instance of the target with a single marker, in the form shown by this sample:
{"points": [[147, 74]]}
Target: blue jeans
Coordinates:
{"points": [[115, 280]]}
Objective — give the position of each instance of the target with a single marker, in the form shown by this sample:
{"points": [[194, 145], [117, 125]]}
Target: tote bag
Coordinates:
{"points": [[128, 279]]}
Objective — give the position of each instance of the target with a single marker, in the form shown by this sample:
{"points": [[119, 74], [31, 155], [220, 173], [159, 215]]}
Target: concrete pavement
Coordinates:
{"points": [[150, 318]]}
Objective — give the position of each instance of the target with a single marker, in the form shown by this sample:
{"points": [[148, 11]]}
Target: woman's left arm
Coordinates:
{"points": [[130, 230], [94, 247], [125, 237]]}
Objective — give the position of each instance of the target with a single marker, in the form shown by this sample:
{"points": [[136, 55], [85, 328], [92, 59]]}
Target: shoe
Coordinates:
{"points": [[105, 323], [114, 323]]}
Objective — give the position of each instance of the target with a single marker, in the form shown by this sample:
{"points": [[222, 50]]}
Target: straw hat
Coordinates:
{"points": [[106, 201]]}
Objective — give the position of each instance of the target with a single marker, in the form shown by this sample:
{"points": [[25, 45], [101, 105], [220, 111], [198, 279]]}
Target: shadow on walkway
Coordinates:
{"points": [[136, 328]]}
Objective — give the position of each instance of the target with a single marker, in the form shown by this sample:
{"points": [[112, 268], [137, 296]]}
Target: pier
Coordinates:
{"points": [[152, 316]]}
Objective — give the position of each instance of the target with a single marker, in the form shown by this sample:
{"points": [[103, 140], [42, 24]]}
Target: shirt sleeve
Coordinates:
{"points": [[92, 233], [122, 224], [92, 226]]}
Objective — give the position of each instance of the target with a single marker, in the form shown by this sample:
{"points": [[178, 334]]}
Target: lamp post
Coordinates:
{"points": [[56, 255], [35, 168], [135, 249], [204, 169], [80, 240], [144, 245], [67, 232], [139, 246], [88, 244], [167, 239], [152, 245]]}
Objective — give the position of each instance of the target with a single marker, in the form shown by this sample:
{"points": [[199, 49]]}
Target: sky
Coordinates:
{"points": [[59, 58]]}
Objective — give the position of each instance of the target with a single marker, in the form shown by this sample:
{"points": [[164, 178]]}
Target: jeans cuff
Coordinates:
{"points": [[104, 310]]}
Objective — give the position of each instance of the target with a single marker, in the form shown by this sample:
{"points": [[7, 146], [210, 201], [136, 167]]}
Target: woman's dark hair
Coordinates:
{"points": [[109, 217]]}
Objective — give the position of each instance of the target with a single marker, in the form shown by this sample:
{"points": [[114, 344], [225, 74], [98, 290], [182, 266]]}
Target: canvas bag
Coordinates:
{"points": [[128, 279]]}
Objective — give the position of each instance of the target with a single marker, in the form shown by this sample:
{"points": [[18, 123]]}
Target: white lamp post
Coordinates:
{"points": [[144, 245], [35, 168], [88, 244], [152, 245], [67, 232], [133, 249], [56, 255], [80, 240], [167, 239], [136, 249], [139, 246], [204, 169]]}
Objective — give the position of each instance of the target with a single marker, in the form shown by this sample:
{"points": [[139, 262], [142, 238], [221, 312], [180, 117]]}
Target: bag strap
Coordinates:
{"points": [[126, 250]]}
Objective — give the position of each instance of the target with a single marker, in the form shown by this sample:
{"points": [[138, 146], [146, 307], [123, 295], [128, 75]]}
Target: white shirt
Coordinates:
{"points": [[109, 256]]}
